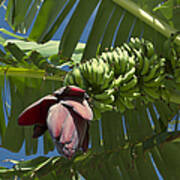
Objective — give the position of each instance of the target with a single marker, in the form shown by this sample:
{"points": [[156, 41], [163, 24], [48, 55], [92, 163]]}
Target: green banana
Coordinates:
{"points": [[100, 73], [94, 67], [78, 78], [131, 62], [101, 61], [116, 63], [152, 72], [139, 58], [105, 57], [162, 61], [102, 107], [135, 43], [115, 56], [133, 93], [90, 72], [69, 79], [140, 43], [129, 85], [127, 47], [129, 74], [153, 59], [110, 100], [159, 72], [117, 82], [149, 48], [130, 95], [118, 50], [100, 77], [107, 68], [174, 61], [152, 92], [123, 65], [109, 57], [107, 80], [126, 102], [87, 70], [81, 67], [123, 61], [106, 95], [165, 94], [132, 43], [146, 66], [155, 82]]}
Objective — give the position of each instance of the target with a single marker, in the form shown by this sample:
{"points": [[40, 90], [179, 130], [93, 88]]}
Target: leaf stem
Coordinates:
{"points": [[31, 73], [148, 18], [11, 34]]}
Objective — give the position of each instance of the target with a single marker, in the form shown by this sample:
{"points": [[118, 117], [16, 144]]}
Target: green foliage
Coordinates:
{"points": [[123, 145]]}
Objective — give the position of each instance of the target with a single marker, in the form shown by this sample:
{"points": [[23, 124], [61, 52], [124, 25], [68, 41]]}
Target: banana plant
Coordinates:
{"points": [[125, 54]]}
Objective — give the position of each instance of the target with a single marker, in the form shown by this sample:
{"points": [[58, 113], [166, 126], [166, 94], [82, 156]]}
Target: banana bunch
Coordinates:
{"points": [[125, 80], [95, 76], [144, 53], [144, 72], [150, 69], [117, 77]]}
